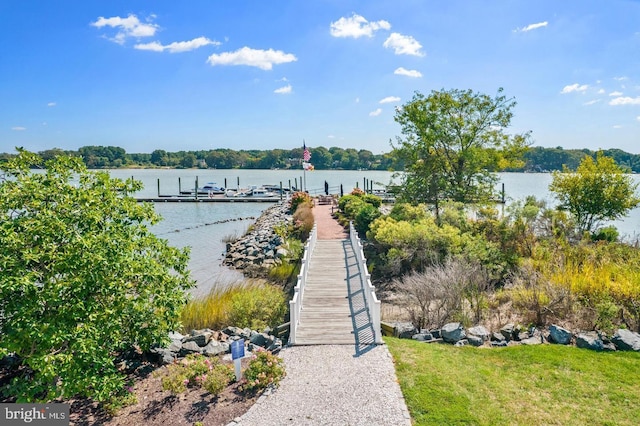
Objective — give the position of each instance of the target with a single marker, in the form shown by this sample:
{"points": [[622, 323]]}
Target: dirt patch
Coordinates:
{"points": [[156, 406]]}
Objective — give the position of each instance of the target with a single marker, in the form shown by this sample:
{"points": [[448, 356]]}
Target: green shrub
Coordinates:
{"points": [[365, 215], [283, 273], [608, 233], [264, 370], [374, 200], [298, 198], [409, 213], [258, 307], [197, 370], [82, 278], [303, 222]]}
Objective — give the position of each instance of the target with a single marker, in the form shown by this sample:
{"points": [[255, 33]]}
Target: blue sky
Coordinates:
{"points": [[260, 75]]}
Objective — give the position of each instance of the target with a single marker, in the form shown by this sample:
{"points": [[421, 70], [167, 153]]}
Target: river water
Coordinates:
{"points": [[203, 226]]}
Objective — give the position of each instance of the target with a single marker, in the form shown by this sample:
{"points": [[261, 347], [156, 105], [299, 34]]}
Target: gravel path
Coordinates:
{"points": [[331, 385]]}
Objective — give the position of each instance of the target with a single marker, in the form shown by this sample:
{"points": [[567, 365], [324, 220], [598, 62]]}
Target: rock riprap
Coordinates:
{"points": [[261, 247]]}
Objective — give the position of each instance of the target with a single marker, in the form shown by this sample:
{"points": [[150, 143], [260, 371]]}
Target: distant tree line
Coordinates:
{"points": [[535, 159]]}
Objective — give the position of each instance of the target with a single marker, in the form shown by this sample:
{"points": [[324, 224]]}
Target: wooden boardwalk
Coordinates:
{"points": [[333, 308]]}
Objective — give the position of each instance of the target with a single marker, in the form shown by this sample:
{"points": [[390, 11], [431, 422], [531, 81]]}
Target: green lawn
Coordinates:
{"points": [[521, 385]]}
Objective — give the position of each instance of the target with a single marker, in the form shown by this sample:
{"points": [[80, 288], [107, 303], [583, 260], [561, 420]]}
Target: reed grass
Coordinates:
{"points": [[245, 303], [213, 310]]}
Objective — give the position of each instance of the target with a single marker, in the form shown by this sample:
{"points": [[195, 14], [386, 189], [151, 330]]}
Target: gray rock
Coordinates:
{"points": [[259, 339], [452, 332], [479, 331], [165, 356], [201, 337], [175, 346], [215, 348], [422, 337], [475, 340], [508, 331], [559, 335], [497, 337], [173, 335], [626, 340], [499, 343], [404, 330], [589, 340], [190, 348], [461, 343], [533, 340], [523, 335], [233, 331]]}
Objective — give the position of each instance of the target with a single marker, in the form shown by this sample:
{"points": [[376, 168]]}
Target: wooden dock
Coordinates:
{"points": [[205, 199], [333, 309]]}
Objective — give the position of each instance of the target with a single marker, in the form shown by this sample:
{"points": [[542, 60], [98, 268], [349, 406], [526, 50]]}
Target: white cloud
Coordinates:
{"points": [[390, 99], [127, 27], [591, 102], [51, 104], [357, 26], [18, 128], [375, 113], [408, 73], [403, 45], [331, 136], [617, 126], [177, 46], [625, 101], [622, 78], [263, 59], [601, 92], [285, 90], [574, 88], [616, 93], [638, 118], [532, 27], [357, 100]]}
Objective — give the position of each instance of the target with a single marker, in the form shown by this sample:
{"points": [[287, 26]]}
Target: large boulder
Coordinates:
{"points": [[200, 337], [215, 348], [508, 331], [452, 332], [559, 335], [479, 331], [626, 340], [590, 340], [404, 330], [475, 340]]}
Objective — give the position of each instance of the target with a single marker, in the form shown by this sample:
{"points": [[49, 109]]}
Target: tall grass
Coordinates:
{"points": [[212, 311], [248, 303]]}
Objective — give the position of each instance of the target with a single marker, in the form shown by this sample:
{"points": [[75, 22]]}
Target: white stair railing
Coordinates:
{"points": [[295, 304], [373, 304]]}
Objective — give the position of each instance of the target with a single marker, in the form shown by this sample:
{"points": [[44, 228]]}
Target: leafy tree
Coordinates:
{"points": [[599, 190], [452, 141], [81, 278]]}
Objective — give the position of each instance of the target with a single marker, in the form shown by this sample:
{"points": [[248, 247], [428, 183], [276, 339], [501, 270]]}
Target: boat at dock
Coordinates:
{"points": [[254, 191], [211, 188]]}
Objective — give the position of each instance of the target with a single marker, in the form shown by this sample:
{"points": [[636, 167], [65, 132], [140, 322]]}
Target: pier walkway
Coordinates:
{"points": [[337, 374], [334, 302]]}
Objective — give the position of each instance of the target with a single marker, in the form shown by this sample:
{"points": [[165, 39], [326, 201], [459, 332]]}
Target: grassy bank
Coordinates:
{"points": [[523, 385]]}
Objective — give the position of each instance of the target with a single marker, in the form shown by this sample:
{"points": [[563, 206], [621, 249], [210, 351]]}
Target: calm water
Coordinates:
{"points": [[202, 226]]}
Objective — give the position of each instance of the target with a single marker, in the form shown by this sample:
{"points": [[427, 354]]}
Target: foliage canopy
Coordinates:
{"points": [[454, 141], [599, 190], [81, 278]]}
